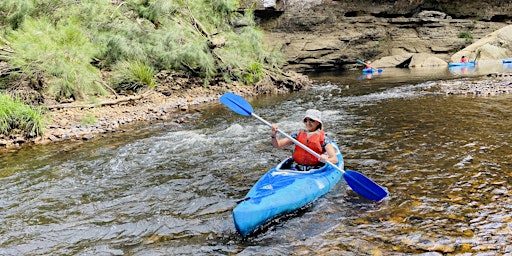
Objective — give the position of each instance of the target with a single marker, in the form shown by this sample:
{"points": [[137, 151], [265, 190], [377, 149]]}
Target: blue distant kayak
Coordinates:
{"points": [[462, 64], [371, 70], [281, 191], [507, 61]]}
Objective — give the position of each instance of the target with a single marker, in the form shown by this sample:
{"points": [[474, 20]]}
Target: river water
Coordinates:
{"points": [[165, 189]]}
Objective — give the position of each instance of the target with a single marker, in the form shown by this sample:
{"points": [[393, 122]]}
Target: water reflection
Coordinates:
{"points": [[166, 189], [462, 70], [507, 67]]}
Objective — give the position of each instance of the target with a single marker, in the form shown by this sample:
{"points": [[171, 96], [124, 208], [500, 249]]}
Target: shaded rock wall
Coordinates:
{"points": [[330, 35]]}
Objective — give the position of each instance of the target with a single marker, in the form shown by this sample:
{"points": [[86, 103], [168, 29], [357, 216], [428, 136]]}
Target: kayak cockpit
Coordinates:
{"points": [[286, 167]]}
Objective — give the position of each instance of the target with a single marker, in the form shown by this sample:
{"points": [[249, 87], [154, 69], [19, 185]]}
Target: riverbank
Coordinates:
{"points": [[490, 85], [173, 100], [174, 103]]}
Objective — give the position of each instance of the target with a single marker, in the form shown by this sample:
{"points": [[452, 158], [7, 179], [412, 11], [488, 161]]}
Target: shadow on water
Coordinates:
{"points": [[168, 189]]}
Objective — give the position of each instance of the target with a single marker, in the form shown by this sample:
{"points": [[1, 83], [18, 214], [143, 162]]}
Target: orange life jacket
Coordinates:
{"points": [[314, 142]]}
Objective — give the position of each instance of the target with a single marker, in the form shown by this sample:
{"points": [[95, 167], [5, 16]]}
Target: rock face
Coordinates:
{"points": [[330, 35], [495, 46]]}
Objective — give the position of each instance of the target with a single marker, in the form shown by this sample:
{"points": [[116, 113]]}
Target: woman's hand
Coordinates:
{"points": [[273, 133]]}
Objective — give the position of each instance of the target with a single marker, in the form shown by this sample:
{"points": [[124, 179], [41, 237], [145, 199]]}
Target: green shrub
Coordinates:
{"points": [[70, 41], [14, 12], [465, 35], [16, 115], [133, 75], [62, 52]]}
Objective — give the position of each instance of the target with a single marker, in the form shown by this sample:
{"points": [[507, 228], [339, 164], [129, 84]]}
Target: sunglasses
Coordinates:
{"points": [[311, 121]]}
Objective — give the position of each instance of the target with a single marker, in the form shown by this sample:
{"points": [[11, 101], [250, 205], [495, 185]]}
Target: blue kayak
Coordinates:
{"points": [[462, 64], [371, 70], [281, 191], [507, 61]]}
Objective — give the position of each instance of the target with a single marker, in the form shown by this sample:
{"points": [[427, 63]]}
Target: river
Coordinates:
{"points": [[166, 189]]}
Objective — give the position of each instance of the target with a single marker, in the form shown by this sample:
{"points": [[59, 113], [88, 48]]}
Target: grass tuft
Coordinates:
{"points": [[14, 115]]}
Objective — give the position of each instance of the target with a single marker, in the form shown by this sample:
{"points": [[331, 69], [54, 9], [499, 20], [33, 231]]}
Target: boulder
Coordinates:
{"points": [[493, 47], [392, 61], [432, 16], [426, 60]]}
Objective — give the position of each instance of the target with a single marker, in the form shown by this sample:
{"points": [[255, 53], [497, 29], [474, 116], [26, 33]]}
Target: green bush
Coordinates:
{"points": [[14, 12], [62, 52], [465, 35], [71, 42], [133, 75], [16, 115]]}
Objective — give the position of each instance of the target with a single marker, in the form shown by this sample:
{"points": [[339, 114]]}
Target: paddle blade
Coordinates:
{"points": [[364, 186], [360, 61], [379, 70], [236, 103]]}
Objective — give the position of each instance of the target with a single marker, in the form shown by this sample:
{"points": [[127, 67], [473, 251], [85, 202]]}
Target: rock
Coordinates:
{"points": [[53, 138], [432, 16], [331, 35], [494, 46], [392, 61], [426, 60], [88, 136]]}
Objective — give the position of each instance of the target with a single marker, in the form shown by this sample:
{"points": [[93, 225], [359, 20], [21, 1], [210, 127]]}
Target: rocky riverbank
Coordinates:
{"points": [[490, 85], [173, 101]]}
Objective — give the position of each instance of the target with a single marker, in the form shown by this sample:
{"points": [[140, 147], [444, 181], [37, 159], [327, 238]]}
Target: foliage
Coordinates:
{"points": [[133, 75], [244, 56], [466, 35], [72, 42], [62, 52], [16, 115], [13, 12]]}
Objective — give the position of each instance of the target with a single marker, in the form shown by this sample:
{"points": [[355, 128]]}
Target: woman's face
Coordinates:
{"points": [[311, 125]]}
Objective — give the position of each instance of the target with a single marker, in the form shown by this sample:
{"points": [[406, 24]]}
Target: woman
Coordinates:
{"points": [[463, 59], [313, 137]]}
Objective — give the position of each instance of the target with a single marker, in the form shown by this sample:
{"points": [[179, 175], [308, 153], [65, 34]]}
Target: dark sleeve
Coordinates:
{"points": [[327, 140]]}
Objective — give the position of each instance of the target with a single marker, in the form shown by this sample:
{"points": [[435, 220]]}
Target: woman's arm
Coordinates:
{"points": [[279, 143], [331, 154]]}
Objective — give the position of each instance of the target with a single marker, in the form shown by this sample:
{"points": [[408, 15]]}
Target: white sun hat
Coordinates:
{"points": [[314, 114]]}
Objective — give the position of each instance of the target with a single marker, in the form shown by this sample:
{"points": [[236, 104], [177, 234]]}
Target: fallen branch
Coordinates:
{"points": [[100, 104]]}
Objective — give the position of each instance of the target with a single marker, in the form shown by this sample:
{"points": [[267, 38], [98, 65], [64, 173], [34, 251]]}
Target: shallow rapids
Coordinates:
{"points": [[166, 189]]}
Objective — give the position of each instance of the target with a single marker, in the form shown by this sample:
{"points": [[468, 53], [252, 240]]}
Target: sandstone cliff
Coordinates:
{"points": [[330, 35]]}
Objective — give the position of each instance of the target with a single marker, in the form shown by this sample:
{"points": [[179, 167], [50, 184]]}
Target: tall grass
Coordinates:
{"points": [[71, 42], [16, 115], [133, 75], [62, 52]]}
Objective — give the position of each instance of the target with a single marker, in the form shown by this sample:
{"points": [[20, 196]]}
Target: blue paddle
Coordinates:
{"points": [[357, 181], [364, 63]]}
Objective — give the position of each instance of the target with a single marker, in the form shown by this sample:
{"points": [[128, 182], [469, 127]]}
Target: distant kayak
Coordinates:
{"points": [[507, 61], [462, 64], [371, 70]]}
